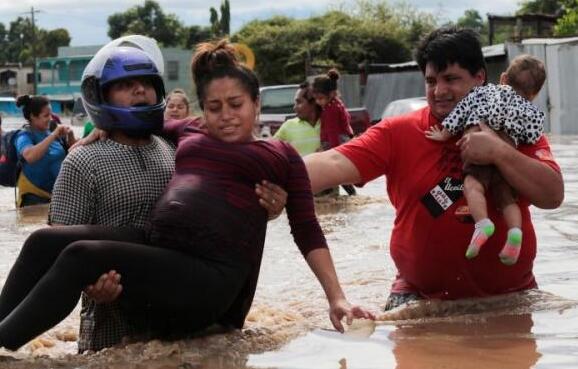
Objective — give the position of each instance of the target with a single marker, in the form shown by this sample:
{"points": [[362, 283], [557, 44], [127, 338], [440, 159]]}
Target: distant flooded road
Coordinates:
{"points": [[288, 325]]}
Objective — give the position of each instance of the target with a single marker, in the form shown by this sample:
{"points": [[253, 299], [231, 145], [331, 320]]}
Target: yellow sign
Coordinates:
{"points": [[246, 55]]}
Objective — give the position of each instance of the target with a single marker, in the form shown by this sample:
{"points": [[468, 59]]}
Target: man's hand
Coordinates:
{"points": [[483, 147], [272, 197], [106, 289], [342, 308]]}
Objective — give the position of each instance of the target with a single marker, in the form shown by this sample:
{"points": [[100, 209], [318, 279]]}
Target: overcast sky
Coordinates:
{"points": [[87, 23]]}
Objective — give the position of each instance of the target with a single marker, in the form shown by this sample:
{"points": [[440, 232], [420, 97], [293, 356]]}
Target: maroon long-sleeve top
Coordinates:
{"points": [[214, 184], [335, 124]]}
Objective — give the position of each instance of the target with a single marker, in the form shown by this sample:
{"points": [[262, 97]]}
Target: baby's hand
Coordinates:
{"points": [[437, 134]]}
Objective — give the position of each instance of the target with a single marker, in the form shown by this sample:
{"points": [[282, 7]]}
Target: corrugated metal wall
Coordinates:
{"points": [[383, 88], [559, 96], [350, 89], [562, 69]]}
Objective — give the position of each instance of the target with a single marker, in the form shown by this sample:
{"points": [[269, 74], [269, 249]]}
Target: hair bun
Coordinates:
{"points": [[333, 74], [212, 56], [22, 100]]}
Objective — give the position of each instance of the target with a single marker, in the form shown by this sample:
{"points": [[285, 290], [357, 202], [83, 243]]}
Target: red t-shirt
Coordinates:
{"points": [[428, 244], [335, 122]]}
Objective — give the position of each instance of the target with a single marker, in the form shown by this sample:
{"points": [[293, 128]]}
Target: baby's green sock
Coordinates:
{"points": [[511, 251], [484, 229]]}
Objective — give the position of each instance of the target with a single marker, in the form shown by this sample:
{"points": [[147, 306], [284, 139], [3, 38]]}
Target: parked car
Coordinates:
{"points": [[403, 106], [277, 106]]}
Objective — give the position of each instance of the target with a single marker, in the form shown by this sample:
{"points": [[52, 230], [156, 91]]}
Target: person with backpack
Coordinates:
{"points": [[8, 158], [40, 151], [4, 175]]}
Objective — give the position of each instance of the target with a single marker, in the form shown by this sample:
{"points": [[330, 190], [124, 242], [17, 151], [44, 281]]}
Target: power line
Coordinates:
{"points": [[34, 71]]}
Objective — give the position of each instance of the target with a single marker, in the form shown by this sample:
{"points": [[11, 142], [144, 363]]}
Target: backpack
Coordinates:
{"points": [[9, 162]]}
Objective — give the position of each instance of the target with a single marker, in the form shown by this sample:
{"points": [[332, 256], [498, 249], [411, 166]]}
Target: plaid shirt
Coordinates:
{"points": [[110, 184]]}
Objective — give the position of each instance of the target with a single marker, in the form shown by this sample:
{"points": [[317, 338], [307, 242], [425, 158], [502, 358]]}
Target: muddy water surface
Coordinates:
{"points": [[288, 326]]}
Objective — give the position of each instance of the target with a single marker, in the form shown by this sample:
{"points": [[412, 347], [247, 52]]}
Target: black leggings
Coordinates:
{"points": [[56, 264]]}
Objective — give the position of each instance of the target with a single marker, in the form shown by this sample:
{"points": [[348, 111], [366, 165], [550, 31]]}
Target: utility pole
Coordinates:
{"points": [[34, 70]]}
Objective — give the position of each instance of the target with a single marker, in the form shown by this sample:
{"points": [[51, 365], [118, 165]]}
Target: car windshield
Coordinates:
{"points": [[403, 106], [278, 101]]}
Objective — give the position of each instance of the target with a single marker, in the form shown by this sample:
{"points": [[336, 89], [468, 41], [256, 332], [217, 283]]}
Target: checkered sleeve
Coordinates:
{"points": [[73, 196]]}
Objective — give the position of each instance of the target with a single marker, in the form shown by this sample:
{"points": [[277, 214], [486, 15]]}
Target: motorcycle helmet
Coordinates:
{"points": [[124, 58]]}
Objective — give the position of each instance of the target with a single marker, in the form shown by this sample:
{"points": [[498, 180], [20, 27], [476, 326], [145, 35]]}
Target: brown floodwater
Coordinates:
{"points": [[288, 326]]}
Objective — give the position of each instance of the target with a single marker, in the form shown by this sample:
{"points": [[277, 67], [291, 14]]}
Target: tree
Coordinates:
{"points": [[3, 44], [55, 38], [16, 41], [284, 46], [471, 19], [221, 26], [196, 34], [541, 7], [149, 20], [568, 24]]}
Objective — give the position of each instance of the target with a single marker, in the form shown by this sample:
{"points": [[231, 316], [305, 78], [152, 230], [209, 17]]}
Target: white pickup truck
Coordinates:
{"points": [[277, 106]]}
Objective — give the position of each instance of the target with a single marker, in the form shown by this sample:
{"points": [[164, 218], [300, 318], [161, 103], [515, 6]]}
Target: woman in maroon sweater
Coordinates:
{"points": [[198, 261]]}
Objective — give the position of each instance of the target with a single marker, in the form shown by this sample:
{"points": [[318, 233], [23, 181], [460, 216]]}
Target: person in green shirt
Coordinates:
{"points": [[302, 132], [88, 127]]}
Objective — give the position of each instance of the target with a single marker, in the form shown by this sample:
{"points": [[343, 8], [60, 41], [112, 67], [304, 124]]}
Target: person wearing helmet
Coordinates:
{"points": [[115, 181]]}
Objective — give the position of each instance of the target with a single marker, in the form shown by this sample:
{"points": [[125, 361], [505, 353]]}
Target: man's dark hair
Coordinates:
{"points": [[449, 45], [308, 94]]}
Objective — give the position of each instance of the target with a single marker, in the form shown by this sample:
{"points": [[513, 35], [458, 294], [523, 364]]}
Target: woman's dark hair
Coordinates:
{"points": [[327, 83], [449, 45], [31, 105], [218, 59]]}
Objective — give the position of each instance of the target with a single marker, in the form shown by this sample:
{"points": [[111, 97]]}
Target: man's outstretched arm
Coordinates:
{"points": [[329, 169]]}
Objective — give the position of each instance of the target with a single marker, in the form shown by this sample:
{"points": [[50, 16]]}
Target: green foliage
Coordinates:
{"points": [[541, 7], [196, 34], [149, 20], [221, 26], [20, 42], [472, 19], [368, 32], [567, 25], [55, 38]]}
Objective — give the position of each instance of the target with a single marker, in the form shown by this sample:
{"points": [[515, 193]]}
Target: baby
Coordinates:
{"points": [[507, 109]]}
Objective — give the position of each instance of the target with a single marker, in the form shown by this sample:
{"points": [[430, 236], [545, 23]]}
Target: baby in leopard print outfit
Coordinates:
{"points": [[507, 109]]}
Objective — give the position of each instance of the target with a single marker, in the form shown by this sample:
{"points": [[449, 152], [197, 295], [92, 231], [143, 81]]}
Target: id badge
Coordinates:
{"points": [[443, 195]]}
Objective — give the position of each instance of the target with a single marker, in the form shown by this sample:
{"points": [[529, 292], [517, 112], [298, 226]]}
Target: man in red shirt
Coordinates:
{"points": [[424, 182]]}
